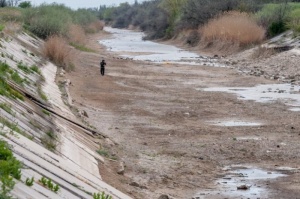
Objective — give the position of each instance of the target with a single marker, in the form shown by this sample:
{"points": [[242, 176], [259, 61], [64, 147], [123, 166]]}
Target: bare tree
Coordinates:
{"points": [[3, 3], [13, 3]]}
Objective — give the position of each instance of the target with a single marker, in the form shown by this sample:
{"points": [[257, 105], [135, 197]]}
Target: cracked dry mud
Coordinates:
{"points": [[159, 118]]}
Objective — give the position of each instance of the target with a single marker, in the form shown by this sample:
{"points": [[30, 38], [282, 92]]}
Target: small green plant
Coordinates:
{"points": [[43, 180], [81, 47], [48, 183], [51, 134], [6, 107], [56, 188], [103, 153], [16, 78], [46, 112], [24, 68], [1, 27], [35, 69], [10, 168], [42, 94], [103, 195], [106, 154], [24, 51], [29, 181]]}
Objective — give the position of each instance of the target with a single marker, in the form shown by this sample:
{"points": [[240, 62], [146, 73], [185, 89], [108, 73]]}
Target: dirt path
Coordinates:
{"points": [[159, 116]]}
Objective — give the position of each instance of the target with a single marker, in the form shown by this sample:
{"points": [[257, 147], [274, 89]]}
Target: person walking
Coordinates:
{"points": [[102, 67]]}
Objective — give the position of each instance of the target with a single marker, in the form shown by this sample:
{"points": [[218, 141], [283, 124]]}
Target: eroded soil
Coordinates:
{"points": [[159, 118]]}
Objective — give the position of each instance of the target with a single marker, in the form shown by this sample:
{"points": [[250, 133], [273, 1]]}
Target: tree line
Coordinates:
{"points": [[167, 18]]}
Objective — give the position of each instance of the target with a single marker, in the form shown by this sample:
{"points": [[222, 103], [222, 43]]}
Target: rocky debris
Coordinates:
{"points": [[164, 197], [243, 187], [121, 170], [109, 142], [62, 73], [135, 184], [281, 65], [83, 113]]}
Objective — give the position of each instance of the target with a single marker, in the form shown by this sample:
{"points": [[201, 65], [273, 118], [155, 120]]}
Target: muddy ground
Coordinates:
{"points": [[159, 118]]}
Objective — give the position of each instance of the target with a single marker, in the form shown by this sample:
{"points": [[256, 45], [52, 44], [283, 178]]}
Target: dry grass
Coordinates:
{"points": [[12, 28], [263, 52], [76, 35], [94, 27], [233, 27], [58, 51]]}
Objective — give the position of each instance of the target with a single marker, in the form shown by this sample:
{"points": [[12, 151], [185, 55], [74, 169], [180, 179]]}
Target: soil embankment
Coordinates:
{"points": [[160, 120]]}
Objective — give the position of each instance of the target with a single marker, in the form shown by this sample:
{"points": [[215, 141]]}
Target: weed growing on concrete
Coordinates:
{"points": [[6, 108], [29, 181], [24, 68], [103, 195], [35, 69], [48, 183], [42, 94], [46, 112], [17, 78], [10, 168]]}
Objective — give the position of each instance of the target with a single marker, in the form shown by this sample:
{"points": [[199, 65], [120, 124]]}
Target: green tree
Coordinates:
{"points": [[174, 9], [25, 4]]}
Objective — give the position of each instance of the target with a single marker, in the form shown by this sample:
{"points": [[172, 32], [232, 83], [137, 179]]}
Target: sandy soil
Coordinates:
{"points": [[158, 118]]}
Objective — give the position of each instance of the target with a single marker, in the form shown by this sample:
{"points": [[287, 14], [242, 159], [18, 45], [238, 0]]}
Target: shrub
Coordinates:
{"points": [[57, 50], [9, 166], [24, 68], [47, 20], [8, 91], [35, 69], [17, 79], [233, 27], [76, 35], [10, 14], [6, 108], [273, 18], [294, 20], [25, 4], [83, 17], [94, 27], [49, 142]]}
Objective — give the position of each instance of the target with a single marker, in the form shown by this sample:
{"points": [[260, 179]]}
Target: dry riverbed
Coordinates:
{"points": [[173, 133]]}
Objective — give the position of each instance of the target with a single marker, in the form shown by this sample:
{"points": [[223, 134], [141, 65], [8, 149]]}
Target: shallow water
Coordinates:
{"points": [[237, 176], [285, 93], [233, 123], [130, 44]]}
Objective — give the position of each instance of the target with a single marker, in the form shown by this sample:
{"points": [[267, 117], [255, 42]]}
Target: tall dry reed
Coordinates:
{"points": [[94, 27], [76, 34], [57, 50], [233, 27]]}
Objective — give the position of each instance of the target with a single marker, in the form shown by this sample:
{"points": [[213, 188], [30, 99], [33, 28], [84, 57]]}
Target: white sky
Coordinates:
{"points": [[83, 3]]}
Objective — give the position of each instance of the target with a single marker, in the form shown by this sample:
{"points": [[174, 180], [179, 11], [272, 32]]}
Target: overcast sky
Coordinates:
{"points": [[83, 3]]}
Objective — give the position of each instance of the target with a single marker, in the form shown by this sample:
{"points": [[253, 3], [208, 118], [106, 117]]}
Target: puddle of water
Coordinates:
{"points": [[235, 123], [296, 109], [286, 93], [131, 45], [248, 138], [251, 177]]}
